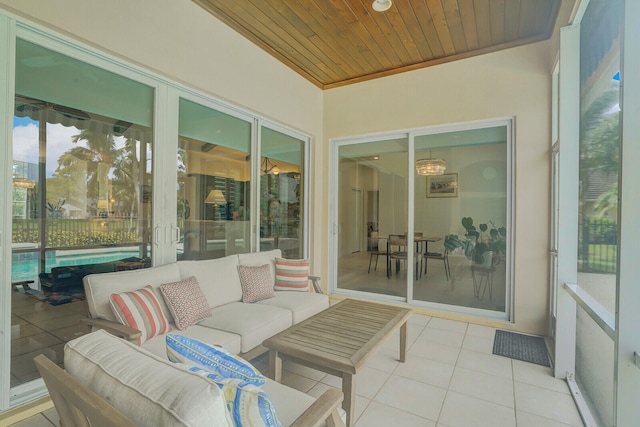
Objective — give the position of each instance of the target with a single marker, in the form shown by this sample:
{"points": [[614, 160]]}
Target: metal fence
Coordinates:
{"points": [[598, 246], [61, 233]]}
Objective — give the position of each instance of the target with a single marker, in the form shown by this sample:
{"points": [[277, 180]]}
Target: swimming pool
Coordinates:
{"points": [[26, 266]]}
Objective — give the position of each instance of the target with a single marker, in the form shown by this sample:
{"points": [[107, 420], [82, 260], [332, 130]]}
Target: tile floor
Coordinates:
{"points": [[354, 274], [450, 379], [38, 327]]}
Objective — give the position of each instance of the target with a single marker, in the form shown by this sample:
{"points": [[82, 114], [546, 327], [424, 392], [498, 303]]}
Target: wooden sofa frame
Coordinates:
{"points": [[78, 406]]}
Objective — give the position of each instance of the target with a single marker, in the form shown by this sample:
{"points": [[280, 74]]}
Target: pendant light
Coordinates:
{"points": [[431, 166]]}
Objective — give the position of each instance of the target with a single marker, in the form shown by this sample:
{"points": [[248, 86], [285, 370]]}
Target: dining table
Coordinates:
{"points": [[419, 241]]}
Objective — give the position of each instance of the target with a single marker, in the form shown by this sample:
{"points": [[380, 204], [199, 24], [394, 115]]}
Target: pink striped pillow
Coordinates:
{"points": [[140, 310], [292, 275]]}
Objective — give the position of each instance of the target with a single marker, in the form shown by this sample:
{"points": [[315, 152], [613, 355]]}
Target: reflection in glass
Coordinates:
{"points": [[281, 193], [462, 218], [213, 191], [81, 194], [372, 205]]}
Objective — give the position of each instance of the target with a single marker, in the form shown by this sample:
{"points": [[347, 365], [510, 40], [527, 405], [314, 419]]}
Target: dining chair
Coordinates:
{"points": [[443, 256], [375, 250], [398, 250]]}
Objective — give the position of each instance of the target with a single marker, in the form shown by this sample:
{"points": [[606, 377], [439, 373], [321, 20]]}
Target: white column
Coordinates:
{"points": [[569, 122], [627, 410]]}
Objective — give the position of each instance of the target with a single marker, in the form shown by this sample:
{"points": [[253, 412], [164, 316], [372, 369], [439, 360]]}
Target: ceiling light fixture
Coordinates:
{"points": [[431, 166], [270, 168], [381, 5]]}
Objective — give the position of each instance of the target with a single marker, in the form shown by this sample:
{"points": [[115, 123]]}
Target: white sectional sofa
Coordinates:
{"points": [[234, 325]]}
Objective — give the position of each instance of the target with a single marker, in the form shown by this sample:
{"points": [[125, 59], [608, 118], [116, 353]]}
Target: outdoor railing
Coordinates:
{"points": [[598, 249], [62, 233]]}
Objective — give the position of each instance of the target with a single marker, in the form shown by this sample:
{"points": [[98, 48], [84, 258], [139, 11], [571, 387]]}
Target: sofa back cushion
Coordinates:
{"points": [[99, 287], [147, 389], [218, 278], [261, 258]]}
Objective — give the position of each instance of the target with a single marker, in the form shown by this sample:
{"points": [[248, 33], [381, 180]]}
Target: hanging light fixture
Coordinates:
{"points": [[270, 168], [381, 5], [431, 166], [23, 183]]}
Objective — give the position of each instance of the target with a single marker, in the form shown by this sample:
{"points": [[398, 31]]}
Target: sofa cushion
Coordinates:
{"points": [[140, 310], [98, 287], [145, 388], [292, 275], [247, 404], [218, 278], [253, 322], [301, 304], [256, 282], [181, 349], [186, 301], [261, 258], [228, 340]]}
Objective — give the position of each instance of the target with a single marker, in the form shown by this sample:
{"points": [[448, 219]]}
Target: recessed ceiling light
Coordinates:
{"points": [[381, 5]]}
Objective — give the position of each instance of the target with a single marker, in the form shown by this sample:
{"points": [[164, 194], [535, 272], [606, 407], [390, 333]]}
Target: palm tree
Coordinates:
{"points": [[100, 154]]}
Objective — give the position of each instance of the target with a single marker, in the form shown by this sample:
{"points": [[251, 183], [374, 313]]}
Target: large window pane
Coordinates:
{"points": [[372, 206], [461, 216], [82, 180], [282, 193], [214, 175]]}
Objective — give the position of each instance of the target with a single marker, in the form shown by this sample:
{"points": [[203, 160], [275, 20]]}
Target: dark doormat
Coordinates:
{"points": [[521, 347]]}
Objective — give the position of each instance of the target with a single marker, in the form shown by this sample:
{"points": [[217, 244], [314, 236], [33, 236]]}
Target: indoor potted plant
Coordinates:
{"points": [[486, 244]]}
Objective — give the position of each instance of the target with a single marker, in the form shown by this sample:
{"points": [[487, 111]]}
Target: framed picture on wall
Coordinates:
{"points": [[442, 185]]}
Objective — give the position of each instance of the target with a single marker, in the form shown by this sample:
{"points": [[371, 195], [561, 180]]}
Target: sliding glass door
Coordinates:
{"points": [[214, 180], [283, 192], [81, 194], [450, 243], [461, 218], [371, 207]]}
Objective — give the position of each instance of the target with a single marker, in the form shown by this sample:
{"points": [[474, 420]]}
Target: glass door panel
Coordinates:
{"points": [[282, 193], [214, 177], [372, 206], [81, 194], [460, 219]]}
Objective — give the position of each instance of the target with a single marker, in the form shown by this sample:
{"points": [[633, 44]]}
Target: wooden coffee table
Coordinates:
{"points": [[339, 341]]}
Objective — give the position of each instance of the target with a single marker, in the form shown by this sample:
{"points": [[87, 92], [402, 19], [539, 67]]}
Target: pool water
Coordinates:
{"points": [[27, 268]]}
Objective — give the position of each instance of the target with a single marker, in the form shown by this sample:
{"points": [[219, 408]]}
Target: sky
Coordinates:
{"points": [[25, 142]]}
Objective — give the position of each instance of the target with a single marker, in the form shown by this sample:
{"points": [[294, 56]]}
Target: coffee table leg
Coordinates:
{"points": [[275, 366], [403, 342], [349, 391]]}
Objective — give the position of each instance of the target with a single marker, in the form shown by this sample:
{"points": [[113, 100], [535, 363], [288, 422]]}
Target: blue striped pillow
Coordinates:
{"points": [[247, 404], [216, 360]]}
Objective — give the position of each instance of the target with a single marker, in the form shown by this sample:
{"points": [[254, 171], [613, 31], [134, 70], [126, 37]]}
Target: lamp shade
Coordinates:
{"points": [[431, 166], [215, 197]]}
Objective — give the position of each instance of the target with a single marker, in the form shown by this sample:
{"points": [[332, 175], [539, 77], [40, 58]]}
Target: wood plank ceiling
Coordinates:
{"points": [[337, 42]]}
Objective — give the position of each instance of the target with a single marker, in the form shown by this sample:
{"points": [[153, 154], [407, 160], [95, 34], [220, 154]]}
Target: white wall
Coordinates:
{"points": [[514, 82]]}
